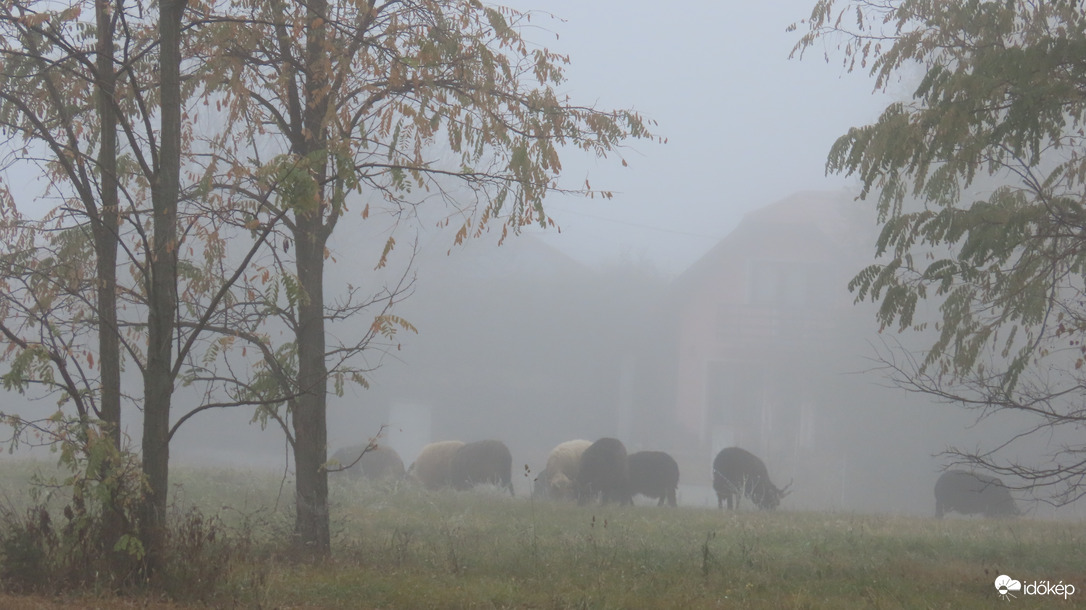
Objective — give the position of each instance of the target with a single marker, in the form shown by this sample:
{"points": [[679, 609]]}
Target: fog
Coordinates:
{"points": [[704, 306], [757, 343]]}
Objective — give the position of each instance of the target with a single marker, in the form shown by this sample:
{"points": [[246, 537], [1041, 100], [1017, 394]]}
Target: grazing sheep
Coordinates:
{"points": [[604, 473], [380, 462], [539, 484], [433, 466], [970, 492], [737, 473], [482, 462], [561, 487], [563, 464], [654, 474]]}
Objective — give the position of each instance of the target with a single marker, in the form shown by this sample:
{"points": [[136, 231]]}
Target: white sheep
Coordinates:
{"points": [[563, 464], [433, 466]]}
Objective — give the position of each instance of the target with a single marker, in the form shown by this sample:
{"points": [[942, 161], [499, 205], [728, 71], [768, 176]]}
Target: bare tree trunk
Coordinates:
{"points": [[104, 225], [309, 416], [162, 289]]}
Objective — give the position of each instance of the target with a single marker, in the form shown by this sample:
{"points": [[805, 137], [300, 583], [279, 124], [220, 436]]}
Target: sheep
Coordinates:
{"points": [[604, 473], [378, 462], [563, 464], [737, 473], [432, 467], [482, 462], [973, 492], [654, 474]]}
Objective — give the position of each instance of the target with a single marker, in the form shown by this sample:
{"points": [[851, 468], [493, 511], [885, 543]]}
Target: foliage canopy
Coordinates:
{"points": [[979, 180], [200, 159]]}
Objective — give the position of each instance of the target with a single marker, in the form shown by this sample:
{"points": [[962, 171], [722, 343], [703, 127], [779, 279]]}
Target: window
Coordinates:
{"points": [[786, 284]]}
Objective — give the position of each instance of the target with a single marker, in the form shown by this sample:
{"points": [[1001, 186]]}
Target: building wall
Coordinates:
{"points": [[753, 317], [769, 352]]}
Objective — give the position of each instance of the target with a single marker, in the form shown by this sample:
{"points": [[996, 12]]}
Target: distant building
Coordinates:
{"points": [[758, 344], [519, 342], [761, 347]]}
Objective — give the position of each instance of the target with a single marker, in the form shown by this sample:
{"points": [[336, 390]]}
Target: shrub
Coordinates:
{"points": [[80, 532], [94, 545]]}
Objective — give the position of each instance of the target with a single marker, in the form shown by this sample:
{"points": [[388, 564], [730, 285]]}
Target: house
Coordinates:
{"points": [[761, 346], [753, 313], [758, 345]]}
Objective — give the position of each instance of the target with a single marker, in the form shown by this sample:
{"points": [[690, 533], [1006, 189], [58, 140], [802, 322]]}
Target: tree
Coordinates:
{"points": [[385, 106], [161, 281], [68, 89], [96, 192], [323, 106], [978, 180]]}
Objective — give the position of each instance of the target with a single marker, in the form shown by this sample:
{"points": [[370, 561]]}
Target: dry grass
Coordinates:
{"points": [[397, 546]]}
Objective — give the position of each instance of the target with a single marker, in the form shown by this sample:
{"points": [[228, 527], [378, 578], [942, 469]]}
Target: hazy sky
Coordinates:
{"points": [[746, 126]]}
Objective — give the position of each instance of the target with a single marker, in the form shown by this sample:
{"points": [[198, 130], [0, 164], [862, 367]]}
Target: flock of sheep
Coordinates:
{"points": [[588, 471], [584, 471], [578, 470]]}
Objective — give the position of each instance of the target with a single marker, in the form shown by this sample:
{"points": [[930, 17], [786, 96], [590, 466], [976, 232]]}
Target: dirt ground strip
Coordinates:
{"points": [[43, 602]]}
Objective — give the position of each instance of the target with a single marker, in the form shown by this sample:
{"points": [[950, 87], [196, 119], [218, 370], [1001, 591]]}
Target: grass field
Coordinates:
{"points": [[396, 546]]}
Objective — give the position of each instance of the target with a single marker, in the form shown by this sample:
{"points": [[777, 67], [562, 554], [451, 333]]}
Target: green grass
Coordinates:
{"points": [[397, 546]]}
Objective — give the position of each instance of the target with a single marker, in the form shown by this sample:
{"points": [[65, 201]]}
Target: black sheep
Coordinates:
{"points": [[738, 472], [604, 473], [654, 474], [968, 493]]}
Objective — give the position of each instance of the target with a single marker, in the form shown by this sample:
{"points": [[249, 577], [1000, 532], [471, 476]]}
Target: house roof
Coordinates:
{"points": [[821, 223]]}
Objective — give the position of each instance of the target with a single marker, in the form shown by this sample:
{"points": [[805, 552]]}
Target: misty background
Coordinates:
{"points": [[705, 305]]}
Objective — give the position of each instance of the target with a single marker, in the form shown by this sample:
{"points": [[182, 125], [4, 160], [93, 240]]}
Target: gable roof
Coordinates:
{"points": [[821, 223]]}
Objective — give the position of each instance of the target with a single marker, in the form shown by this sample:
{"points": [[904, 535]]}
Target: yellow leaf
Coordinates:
{"points": [[389, 245]]}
